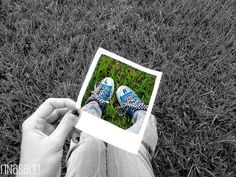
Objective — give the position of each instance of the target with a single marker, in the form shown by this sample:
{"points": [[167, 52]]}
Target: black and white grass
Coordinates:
{"points": [[46, 48]]}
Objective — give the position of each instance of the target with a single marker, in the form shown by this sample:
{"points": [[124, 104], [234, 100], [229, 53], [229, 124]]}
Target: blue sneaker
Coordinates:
{"points": [[129, 100], [102, 92]]}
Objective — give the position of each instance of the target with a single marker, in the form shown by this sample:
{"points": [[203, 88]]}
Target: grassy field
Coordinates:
{"points": [[122, 74], [46, 48]]}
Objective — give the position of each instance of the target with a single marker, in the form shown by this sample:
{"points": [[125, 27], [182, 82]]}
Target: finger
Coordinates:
{"points": [[56, 114], [65, 126], [49, 128], [51, 104]]}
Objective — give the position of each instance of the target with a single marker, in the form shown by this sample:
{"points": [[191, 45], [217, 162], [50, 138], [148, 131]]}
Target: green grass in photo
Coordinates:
{"points": [[122, 74]]}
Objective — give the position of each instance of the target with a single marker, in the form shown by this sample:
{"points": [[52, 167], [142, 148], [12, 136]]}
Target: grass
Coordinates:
{"points": [[46, 48], [122, 74]]}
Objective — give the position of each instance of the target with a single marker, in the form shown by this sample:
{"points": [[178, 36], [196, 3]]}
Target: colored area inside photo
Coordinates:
{"points": [[122, 74]]}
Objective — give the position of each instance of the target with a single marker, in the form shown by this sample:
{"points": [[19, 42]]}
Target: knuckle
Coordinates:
{"points": [[71, 100], [49, 100], [25, 124], [70, 120], [58, 114], [67, 124]]}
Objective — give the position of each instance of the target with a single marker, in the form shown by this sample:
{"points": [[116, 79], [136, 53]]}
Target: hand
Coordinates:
{"points": [[42, 143]]}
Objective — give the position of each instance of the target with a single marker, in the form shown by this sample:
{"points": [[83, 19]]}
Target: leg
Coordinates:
{"points": [[88, 157], [122, 163], [150, 136]]}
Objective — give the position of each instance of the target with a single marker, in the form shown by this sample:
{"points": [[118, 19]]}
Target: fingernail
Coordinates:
{"points": [[75, 112], [77, 139]]}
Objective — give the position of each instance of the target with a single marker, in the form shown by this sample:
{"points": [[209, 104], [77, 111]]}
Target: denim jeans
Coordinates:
{"points": [[93, 158]]}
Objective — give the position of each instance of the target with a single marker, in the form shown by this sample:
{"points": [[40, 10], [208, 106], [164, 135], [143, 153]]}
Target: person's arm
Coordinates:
{"points": [[42, 143]]}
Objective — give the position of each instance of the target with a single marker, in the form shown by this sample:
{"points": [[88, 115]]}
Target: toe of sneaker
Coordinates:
{"points": [[122, 90], [108, 81]]}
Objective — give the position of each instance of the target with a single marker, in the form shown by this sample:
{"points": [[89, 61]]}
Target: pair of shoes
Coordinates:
{"points": [[128, 99]]}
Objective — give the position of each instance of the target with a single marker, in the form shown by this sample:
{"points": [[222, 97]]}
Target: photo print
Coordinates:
{"points": [[116, 100]]}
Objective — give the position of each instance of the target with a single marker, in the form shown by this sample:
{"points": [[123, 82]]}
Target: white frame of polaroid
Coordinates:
{"points": [[104, 130]]}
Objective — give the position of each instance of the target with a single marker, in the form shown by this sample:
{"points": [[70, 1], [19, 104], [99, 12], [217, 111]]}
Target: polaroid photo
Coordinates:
{"points": [[114, 126]]}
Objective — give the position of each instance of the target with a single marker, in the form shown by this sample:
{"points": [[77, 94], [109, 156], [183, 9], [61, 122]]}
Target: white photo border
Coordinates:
{"points": [[104, 130]]}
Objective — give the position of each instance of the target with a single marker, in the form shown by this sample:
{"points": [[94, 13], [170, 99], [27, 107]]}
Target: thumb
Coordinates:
{"points": [[65, 126]]}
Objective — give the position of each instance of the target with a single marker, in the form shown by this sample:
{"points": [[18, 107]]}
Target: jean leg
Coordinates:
{"points": [[88, 157], [122, 163], [93, 108], [150, 136]]}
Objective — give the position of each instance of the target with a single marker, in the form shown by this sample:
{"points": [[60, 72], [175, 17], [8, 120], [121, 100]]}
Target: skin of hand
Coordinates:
{"points": [[42, 143]]}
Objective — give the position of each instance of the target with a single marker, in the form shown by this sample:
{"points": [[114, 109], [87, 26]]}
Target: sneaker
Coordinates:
{"points": [[129, 100], [102, 92]]}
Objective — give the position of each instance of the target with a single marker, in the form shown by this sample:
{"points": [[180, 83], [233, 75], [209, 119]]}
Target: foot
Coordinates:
{"points": [[102, 92], [129, 100]]}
